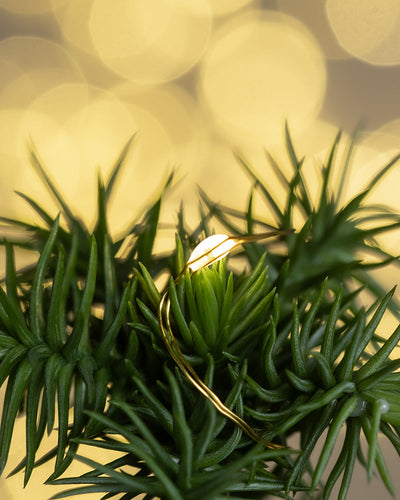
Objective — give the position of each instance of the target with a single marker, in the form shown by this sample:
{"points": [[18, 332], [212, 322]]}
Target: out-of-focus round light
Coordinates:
{"points": [[374, 151], [385, 138], [76, 130], [387, 53], [262, 68], [96, 125], [224, 7], [313, 14], [10, 74], [367, 29], [178, 114], [152, 41], [73, 21], [93, 126], [184, 126], [29, 66], [38, 64]]}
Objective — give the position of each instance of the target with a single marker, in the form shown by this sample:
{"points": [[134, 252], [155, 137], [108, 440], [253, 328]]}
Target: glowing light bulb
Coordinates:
{"points": [[210, 250]]}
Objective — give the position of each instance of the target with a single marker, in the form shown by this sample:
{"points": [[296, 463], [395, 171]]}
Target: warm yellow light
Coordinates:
{"points": [[367, 29], [230, 185], [35, 53], [10, 74], [178, 114], [172, 134], [90, 128], [127, 27], [262, 68], [385, 138], [152, 41], [224, 7], [388, 52], [210, 250], [11, 159], [77, 130], [73, 21], [375, 150], [313, 14], [31, 66]]}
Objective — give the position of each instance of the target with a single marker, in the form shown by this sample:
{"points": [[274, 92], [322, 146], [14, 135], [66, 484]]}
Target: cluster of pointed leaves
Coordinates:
{"points": [[286, 346]]}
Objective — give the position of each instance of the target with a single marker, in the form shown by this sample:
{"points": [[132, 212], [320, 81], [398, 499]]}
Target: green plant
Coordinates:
{"points": [[287, 346]]}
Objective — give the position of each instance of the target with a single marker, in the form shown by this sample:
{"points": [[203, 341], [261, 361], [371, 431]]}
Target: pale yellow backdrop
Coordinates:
{"points": [[196, 79]]}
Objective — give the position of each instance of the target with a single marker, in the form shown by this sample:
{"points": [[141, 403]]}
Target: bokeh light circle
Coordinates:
{"points": [[374, 151], [90, 129], [73, 21], [152, 41], [10, 74], [367, 29], [387, 53], [224, 7], [313, 14], [177, 112], [262, 69], [32, 65]]}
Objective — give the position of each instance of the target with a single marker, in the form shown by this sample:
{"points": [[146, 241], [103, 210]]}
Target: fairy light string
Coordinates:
{"points": [[210, 250]]}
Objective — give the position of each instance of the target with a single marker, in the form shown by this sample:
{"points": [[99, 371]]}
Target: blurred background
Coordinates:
{"points": [[197, 80]]}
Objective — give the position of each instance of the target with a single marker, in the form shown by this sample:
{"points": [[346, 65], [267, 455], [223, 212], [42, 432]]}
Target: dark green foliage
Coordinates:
{"points": [[286, 346]]}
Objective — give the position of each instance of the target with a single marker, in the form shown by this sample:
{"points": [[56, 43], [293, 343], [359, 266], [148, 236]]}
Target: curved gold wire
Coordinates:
{"points": [[176, 353]]}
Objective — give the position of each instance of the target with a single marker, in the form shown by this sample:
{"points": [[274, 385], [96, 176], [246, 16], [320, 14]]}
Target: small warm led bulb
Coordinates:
{"points": [[210, 250]]}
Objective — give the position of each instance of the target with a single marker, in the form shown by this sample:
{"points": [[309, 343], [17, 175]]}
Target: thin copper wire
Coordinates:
{"points": [[177, 355]]}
